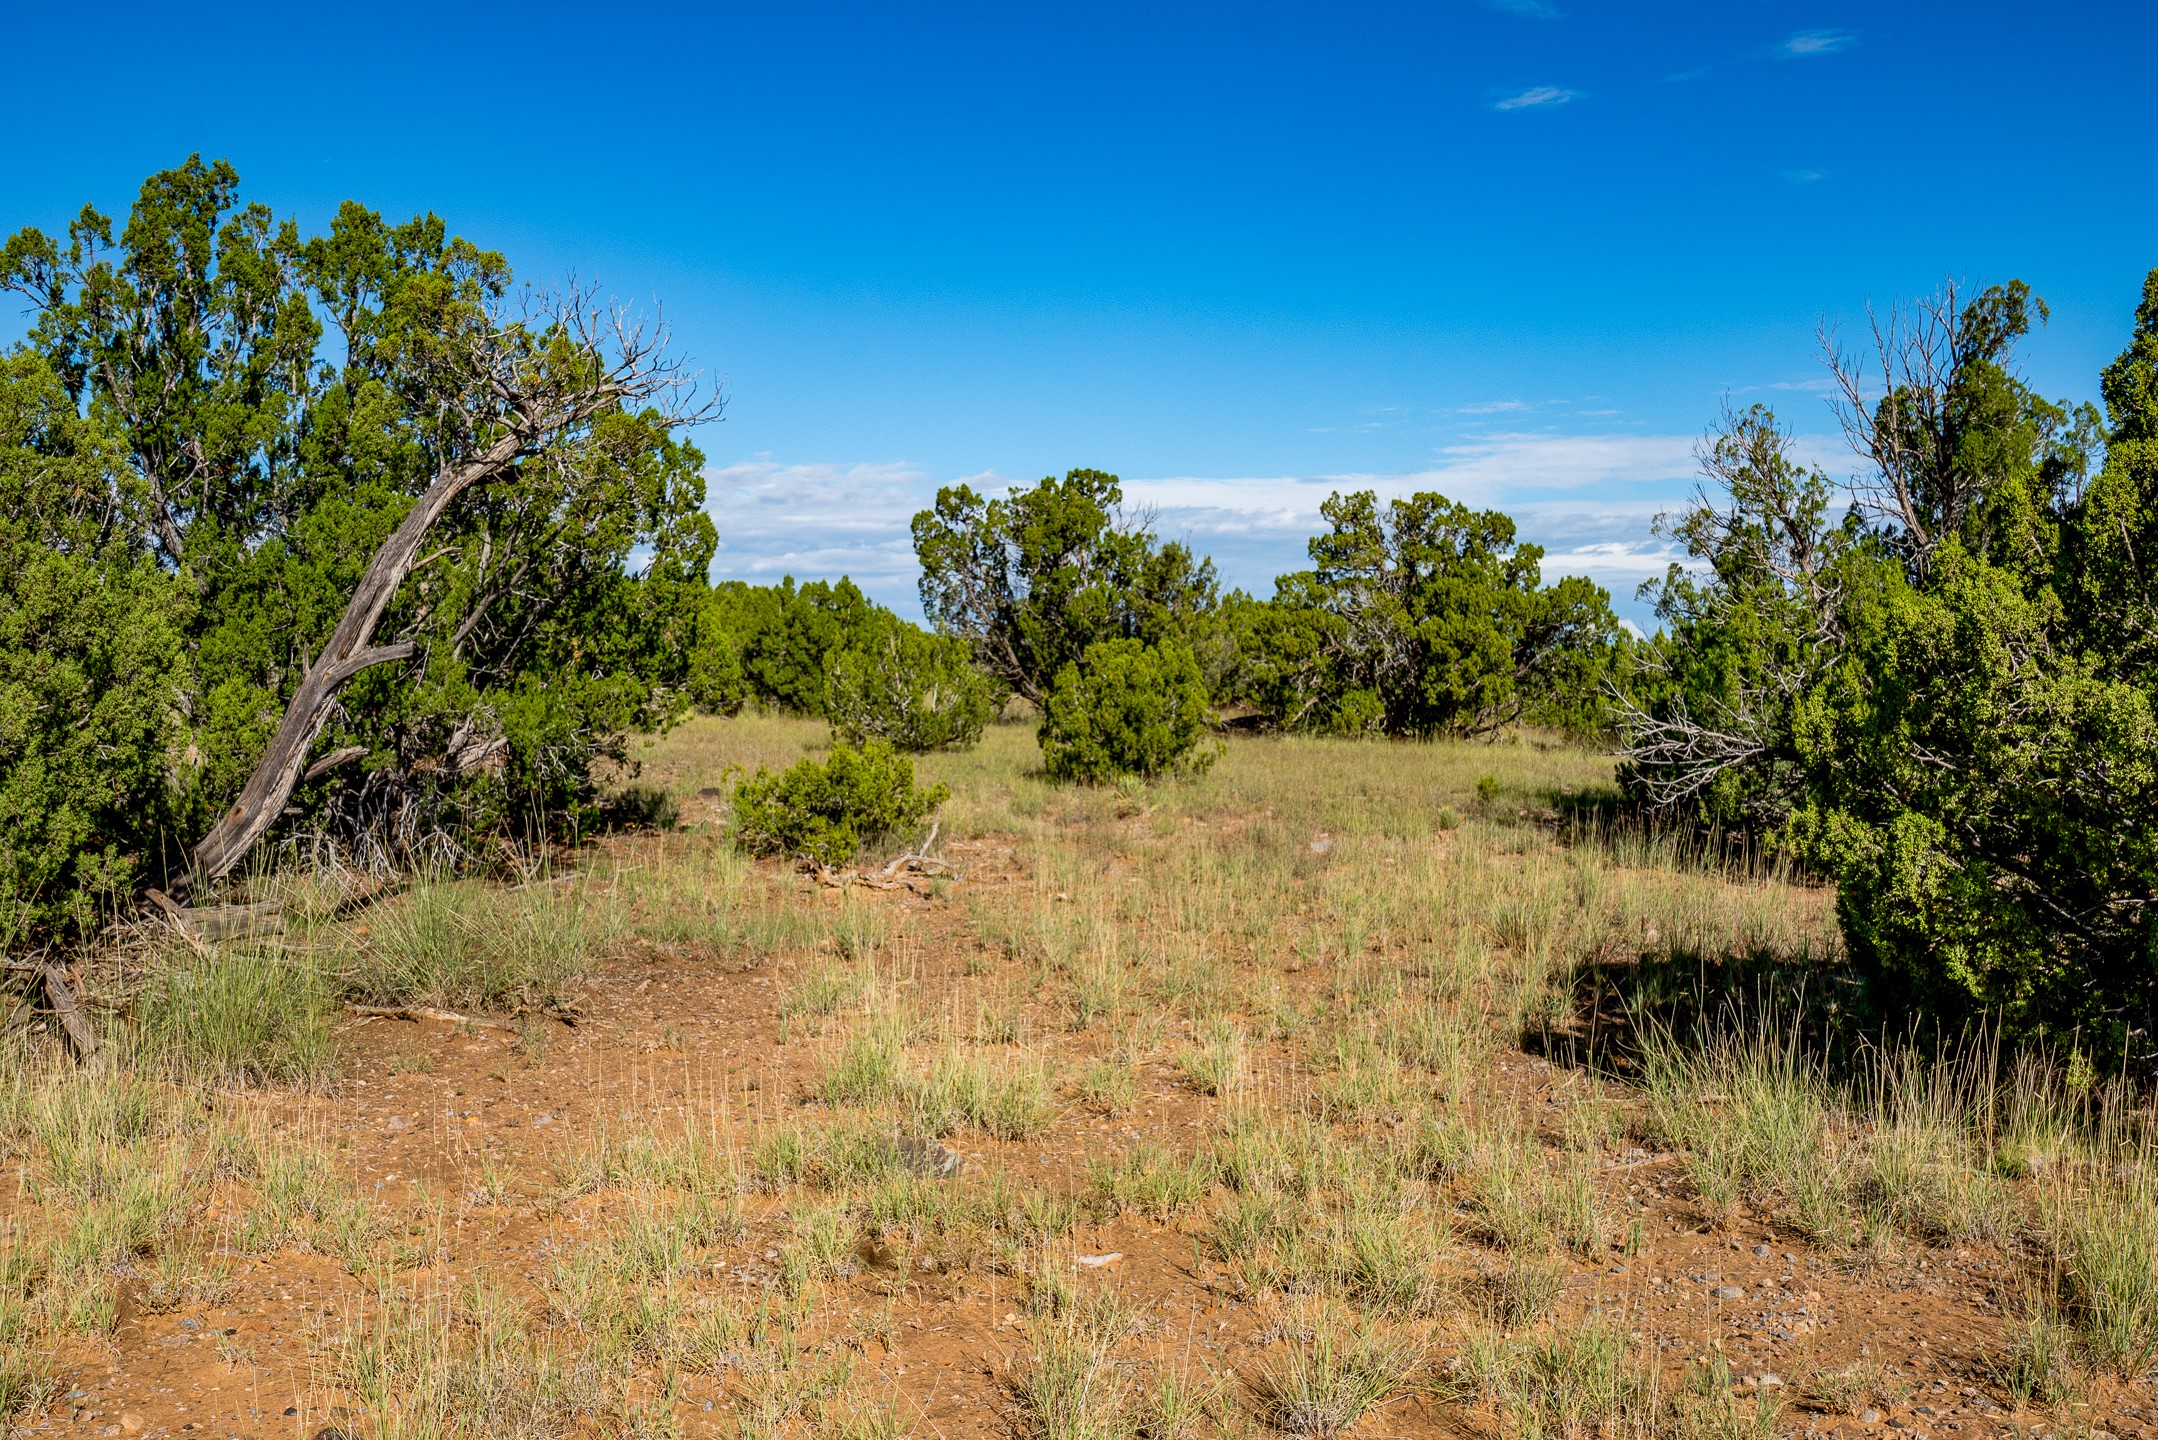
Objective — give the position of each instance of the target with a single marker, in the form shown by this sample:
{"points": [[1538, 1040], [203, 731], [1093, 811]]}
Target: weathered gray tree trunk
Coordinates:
{"points": [[348, 652]]}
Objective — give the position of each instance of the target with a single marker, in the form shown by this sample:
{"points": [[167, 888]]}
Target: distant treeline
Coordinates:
{"points": [[343, 541], [1422, 618]]}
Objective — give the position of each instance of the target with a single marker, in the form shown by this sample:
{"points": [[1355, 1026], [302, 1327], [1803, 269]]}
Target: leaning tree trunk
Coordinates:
{"points": [[348, 652]]}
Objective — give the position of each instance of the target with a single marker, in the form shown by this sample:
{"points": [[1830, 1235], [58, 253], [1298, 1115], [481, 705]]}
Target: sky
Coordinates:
{"points": [[1520, 251]]}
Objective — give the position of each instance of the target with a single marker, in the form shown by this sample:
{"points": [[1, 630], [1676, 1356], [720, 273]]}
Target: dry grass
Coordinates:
{"points": [[1270, 1022]]}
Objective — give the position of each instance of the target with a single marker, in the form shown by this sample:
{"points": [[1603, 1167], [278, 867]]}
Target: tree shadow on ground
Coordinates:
{"points": [[1622, 1002]]}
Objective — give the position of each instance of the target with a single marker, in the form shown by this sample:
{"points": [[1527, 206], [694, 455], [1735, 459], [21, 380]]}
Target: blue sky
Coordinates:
{"points": [[1242, 255]]}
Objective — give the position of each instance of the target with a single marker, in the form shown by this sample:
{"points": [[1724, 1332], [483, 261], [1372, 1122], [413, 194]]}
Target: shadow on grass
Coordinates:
{"points": [[1684, 995]]}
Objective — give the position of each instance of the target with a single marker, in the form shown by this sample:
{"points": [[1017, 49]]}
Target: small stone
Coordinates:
{"points": [[928, 1157], [1769, 1381], [189, 1322], [1869, 1417], [1763, 1251], [1729, 1292], [133, 1422], [397, 1122]]}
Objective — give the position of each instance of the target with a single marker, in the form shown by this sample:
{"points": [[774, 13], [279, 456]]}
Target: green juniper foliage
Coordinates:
{"points": [[1126, 708], [91, 664], [1428, 618], [245, 415], [827, 649], [826, 810], [779, 635], [1032, 581], [897, 682], [1946, 701]]}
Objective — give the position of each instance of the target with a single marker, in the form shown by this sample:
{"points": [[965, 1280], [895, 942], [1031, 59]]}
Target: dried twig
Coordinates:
{"points": [[428, 1012], [895, 872]]}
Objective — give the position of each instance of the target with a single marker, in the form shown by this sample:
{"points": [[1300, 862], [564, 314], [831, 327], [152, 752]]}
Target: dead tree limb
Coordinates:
{"points": [[531, 404], [345, 755], [68, 1006], [427, 1012]]}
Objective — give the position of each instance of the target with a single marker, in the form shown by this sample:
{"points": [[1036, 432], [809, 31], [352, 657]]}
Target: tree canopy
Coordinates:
{"points": [[1944, 699], [1033, 580], [384, 503], [1425, 617]]}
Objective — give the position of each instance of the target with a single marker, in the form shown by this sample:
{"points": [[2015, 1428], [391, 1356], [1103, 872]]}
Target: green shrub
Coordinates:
{"points": [[91, 660], [1031, 581], [826, 810], [769, 642], [901, 683], [1126, 708], [152, 634], [1943, 698]]}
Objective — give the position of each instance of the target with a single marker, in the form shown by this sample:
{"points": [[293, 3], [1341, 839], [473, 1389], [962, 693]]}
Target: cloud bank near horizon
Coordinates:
{"points": [[1590, 500]]}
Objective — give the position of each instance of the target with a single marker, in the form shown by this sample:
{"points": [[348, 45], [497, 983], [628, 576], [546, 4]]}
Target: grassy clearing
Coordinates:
{"points": [[1283, 1029]]}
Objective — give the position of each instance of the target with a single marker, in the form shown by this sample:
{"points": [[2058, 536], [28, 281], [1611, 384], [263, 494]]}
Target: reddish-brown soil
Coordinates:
{"points": [[662, 1034]]}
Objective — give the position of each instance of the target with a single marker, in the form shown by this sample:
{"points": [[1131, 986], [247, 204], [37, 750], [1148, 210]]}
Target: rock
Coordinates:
{"points": [[1762, 1251], [1869, 1417], [928, 1157], [1770, 1381], [189, 1322], [1321, 845], [397, 1122], [133, 1422], [1729, 1292]]}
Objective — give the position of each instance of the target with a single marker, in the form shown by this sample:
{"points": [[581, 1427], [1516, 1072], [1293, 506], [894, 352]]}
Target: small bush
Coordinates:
{"points": [[1126, 708], [917, 690], [826, 810]]}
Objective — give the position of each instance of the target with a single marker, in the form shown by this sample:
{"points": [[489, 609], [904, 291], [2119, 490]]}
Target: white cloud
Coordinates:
{"points": [[1807, 44], [1811, 385], [1804, 177], [1539, 95], [817, 522], [1590, 500]]}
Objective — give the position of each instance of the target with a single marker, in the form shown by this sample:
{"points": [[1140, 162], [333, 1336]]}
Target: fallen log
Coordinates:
{"points": [[211, 923]]}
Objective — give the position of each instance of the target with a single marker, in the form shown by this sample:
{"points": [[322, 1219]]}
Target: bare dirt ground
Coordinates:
{"points": [[474, 1148]]}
